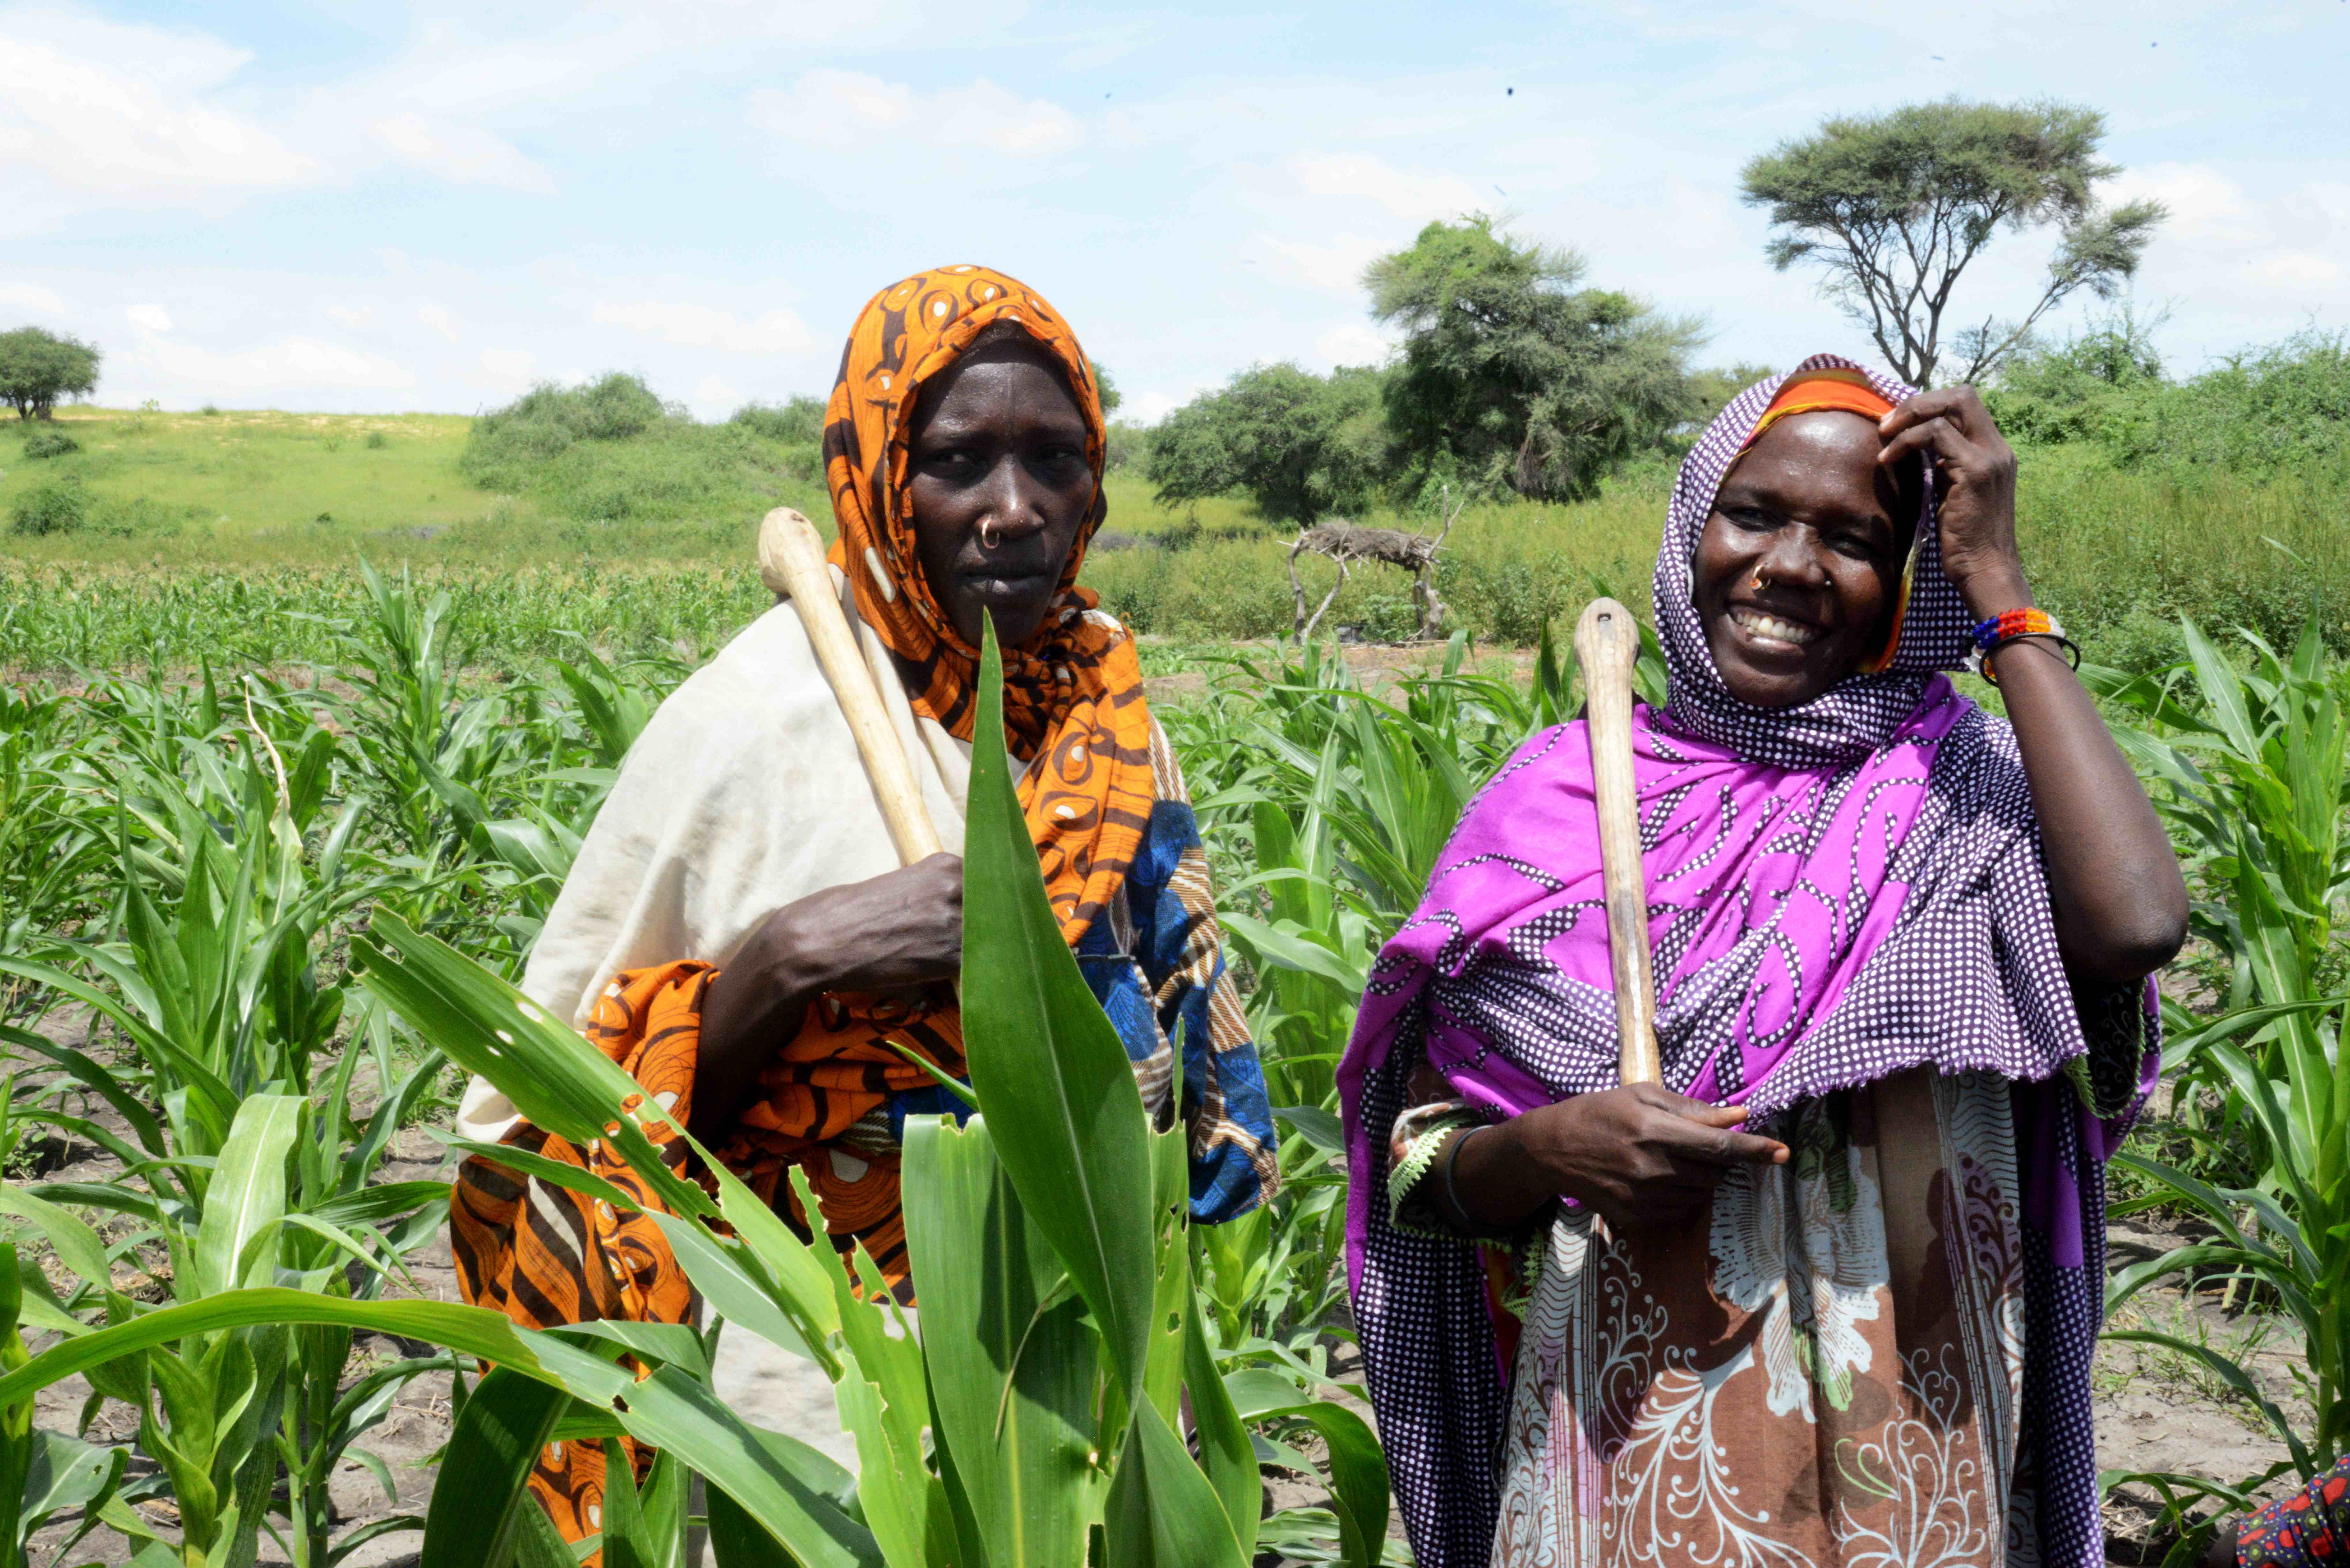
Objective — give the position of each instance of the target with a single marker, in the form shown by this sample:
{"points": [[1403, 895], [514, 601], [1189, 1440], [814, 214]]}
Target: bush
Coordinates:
{"points": [[55, 508], [2282, 409], [798, 422], [45, 442], [376, 441], [611, 452]]}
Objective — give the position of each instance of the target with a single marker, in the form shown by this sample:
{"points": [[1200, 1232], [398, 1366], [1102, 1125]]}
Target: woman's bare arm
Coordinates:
{"points": [[2119, 900]]}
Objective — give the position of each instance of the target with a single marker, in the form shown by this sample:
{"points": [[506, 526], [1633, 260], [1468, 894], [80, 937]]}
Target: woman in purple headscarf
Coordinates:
{"points": [[1831, 1294]]}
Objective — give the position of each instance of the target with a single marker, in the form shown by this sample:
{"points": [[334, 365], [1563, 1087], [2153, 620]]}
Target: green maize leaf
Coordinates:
{"points": [[2236, 1378], [884, 1404], [1224, 1449], [507, 1420], [559, 1082], [625, 1542], [1316, 1125], [1068, 1120], [675, 1343], [66, 1473], [1015, 1396], [730, 1282], [247, 1193], [1174, 1303], [538, 1544], [1257, 1390], [667, 1409], [373, 1529], [93, 1075], [1162, 1514], [1358, 1477], [662, 1502], [77, 1246], [1285, 945], [375, 1205]]}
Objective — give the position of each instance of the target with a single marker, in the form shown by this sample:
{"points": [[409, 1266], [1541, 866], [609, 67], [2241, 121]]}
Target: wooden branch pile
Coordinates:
{"points": [[1344, 543]]}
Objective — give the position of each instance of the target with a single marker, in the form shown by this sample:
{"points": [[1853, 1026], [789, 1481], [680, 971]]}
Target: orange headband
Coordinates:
{"points": [[1814, 390], [1844, 391]]}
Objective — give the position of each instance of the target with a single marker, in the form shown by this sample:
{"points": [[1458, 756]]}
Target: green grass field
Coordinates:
{"points": [[193, 516]]}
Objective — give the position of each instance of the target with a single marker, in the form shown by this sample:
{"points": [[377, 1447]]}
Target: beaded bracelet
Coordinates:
{"points": [[2011, 625]]}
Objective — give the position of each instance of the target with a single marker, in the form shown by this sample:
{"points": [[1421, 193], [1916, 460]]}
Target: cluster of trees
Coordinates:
{"points": [[1513, 377], [39, 367]]}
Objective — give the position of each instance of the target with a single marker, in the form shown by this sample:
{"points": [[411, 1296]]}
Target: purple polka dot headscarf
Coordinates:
{"points": [[1837, 891]]}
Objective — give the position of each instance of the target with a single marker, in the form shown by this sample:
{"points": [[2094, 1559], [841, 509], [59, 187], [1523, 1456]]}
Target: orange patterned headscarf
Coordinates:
{"points": [[1072, 692], [1073, 708]]}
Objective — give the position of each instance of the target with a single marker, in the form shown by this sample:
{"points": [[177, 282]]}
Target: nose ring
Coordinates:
{"points": [[990, 533], [1760, 582]]}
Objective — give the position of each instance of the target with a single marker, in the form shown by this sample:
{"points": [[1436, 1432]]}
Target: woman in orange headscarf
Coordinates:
{"points": [[736, 932]]}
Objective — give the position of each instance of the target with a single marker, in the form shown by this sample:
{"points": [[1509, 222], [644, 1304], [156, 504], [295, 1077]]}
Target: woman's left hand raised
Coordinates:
{"points": [[1974, 493]]}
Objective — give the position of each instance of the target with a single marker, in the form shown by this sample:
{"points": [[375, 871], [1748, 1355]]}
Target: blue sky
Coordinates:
{"points": [[339, 206]]}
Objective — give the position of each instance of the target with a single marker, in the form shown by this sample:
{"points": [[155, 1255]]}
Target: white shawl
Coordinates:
{"points": [[743, 794]]}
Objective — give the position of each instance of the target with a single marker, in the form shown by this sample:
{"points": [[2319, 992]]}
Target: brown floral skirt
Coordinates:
{"points": [[1825, 1370]]}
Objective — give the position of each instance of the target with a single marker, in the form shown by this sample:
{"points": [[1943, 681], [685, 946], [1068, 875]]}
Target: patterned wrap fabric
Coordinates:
{"points": [[1839, 891], [2309, 1528]]}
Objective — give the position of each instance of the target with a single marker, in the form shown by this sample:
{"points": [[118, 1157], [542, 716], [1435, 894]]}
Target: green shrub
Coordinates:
{"points": [[55, 508], [797, 423], [43, 440], [2280, 410], [376, 441]]}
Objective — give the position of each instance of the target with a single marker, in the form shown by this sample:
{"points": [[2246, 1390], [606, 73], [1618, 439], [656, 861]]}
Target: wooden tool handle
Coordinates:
{"points": [[791, 563], [1607, 643]]}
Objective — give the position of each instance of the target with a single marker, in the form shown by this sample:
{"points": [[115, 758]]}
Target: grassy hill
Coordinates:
{"points": [[179, 518], [259, 488]]}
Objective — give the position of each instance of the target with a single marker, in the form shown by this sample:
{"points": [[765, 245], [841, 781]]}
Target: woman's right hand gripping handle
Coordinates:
{"points": [[894, 932], [1643, 1156]]}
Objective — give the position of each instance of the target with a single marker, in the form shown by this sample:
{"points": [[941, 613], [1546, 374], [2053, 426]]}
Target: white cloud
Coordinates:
{"points": [[96, 112], [463, 153], [148, 317], [507, 367], [438, 318], [352, 315], [32, 297], [1416, 196], [1336, 265], [291, 362], [1353, 343], [845, 109], [1149, 407], [2251, 257], [713, 394], [699, 327]]}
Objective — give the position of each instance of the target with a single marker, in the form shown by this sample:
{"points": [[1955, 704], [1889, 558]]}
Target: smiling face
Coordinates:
{"points": [[998, 439], [1798, 567]]}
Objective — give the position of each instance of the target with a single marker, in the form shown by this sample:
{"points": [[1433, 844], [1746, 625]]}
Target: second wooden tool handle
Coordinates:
{"points": [[791, 562], [1608, 644]]}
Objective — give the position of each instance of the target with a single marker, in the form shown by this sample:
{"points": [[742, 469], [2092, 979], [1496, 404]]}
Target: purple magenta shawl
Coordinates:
{"points": [[1837, 891]]}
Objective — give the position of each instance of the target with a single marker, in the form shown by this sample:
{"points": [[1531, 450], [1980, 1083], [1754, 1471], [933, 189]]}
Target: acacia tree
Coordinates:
{"points": [[1510, 376], [1894, 207], [1298, 444], [39, 367]]}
